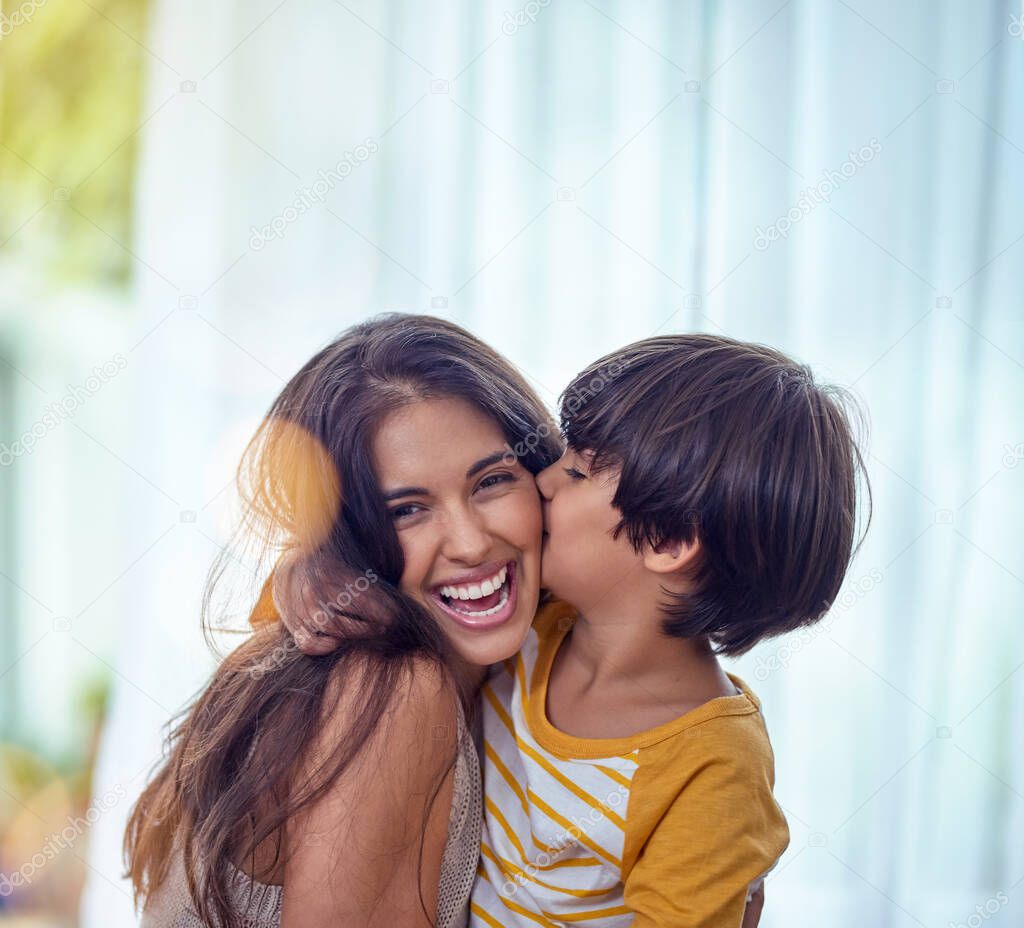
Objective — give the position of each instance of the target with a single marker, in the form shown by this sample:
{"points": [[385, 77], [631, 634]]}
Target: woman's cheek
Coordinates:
{"points": [[416, 554], [525, 513]]}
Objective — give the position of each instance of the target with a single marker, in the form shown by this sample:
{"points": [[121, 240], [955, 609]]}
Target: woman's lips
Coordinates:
{"points": [[481, 621]]}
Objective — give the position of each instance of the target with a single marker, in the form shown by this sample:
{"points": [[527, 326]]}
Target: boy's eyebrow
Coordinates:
{"points": [[585, 455], [480, 465]]}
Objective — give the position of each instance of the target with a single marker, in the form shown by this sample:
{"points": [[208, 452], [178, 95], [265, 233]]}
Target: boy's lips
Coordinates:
{"points": [[498, 607]]}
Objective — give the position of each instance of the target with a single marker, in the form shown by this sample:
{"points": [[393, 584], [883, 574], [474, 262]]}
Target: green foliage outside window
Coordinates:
{"points": [[71, 86]]}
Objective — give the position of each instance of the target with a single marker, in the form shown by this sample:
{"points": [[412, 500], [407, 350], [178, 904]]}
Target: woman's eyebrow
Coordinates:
{"points": [[486, 462], [392, 495], [405, 491]]}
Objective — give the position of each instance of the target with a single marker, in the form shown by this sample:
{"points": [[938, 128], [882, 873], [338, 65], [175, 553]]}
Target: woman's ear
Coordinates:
{"points": [[670, 556]]}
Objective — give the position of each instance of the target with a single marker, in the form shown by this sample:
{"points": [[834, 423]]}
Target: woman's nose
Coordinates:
{"points": [[467, 538]]}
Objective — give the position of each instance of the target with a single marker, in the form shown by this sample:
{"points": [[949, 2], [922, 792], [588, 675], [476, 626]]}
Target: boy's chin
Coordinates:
{"points": [[550, 577], [551, 586]]}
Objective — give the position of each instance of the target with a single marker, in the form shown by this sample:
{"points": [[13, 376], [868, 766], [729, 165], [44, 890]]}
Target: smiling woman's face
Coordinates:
{"points": [[469, 523]]}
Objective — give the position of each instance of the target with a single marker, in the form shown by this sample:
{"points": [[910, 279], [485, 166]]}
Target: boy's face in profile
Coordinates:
{"points": [[581, 562]]}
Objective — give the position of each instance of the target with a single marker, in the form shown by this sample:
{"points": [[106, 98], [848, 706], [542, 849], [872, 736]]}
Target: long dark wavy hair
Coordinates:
{"points": [[309, 488]]}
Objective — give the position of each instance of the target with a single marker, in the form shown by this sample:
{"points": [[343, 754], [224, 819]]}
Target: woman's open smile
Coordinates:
{"points": [[482, 598]]}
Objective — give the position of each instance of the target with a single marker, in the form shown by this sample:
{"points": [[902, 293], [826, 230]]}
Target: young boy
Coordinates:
{"points": [[706, 502]]}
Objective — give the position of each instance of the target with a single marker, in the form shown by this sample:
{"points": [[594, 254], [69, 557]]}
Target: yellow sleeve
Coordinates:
{"points": [[265, 612], [720, 832]]}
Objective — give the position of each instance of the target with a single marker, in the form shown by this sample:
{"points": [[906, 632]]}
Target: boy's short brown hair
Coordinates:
{"points": [[734, 444]]}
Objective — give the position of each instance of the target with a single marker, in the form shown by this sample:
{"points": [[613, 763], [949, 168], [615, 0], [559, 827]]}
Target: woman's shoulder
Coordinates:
{"points": [[420, 684], [408, 712], [396, 730]]}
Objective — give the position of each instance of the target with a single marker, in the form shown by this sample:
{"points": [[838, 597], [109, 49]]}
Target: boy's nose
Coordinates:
{"points": [[546, 484]]}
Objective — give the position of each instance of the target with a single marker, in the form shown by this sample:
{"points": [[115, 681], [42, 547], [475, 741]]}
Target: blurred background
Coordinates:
{"points": [[194, 197]]}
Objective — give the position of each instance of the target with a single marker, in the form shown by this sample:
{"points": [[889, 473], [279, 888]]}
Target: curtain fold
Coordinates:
{"points": [[842, 180]]}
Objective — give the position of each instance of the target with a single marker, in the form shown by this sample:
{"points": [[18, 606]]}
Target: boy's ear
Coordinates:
{"points": [[670, 556]]}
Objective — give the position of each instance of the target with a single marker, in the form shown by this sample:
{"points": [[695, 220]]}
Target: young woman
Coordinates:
{"points": [[392, 479]]}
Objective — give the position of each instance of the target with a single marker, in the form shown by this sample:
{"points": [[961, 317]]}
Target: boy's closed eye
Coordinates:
{"points": [[574, 474]]}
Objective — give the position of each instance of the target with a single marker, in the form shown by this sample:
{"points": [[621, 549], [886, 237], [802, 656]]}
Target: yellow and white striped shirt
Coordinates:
{"points": [[663, 829]]}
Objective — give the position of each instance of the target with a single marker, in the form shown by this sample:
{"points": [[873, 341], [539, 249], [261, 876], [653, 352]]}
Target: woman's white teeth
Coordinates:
{"points": [[502, 600], [477, 590]]}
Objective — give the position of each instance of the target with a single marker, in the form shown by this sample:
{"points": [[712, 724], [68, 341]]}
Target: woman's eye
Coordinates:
{"points": [[492, 480], [403, 512], [575, 474]]}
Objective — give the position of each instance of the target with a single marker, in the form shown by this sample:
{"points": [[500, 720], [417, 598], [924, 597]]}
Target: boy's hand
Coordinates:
{"points": [[752, 915], [315, 622]]}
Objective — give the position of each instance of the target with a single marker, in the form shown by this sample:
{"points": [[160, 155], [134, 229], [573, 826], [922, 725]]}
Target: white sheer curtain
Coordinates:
{"points": [[569, 176]]}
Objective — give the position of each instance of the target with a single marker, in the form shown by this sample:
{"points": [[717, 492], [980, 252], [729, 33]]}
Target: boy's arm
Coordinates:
{"points": [[311, 611], [752, 914], [719, 835]]}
